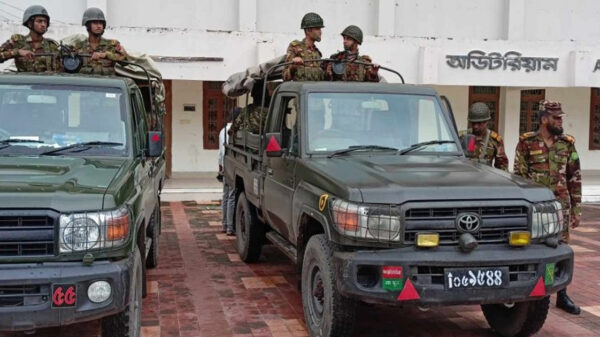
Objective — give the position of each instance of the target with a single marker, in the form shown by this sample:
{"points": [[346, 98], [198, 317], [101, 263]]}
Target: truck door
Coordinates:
{"points": [[280, 171], [144, 171]]}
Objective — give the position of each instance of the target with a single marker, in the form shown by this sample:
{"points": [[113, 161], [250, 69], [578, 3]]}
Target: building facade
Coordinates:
{"points": [[508, 53]]}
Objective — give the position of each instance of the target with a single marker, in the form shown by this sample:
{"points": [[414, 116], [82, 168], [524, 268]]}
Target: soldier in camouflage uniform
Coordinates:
{"points": [[487, 146], [103, 53], [300, 51], [24, 48], [353, 37], [549, 157], [256, 112]]}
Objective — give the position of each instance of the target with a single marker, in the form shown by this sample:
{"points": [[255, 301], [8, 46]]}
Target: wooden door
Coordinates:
{"points": [[216, 110]]}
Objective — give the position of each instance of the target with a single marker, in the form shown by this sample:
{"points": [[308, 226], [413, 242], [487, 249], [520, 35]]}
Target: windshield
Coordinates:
{"points": [[37, 118], [338, 121]]}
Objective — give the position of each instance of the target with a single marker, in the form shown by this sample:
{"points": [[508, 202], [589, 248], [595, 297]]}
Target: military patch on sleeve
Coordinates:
{"points": [[569, 139], [17, 37], [574, 156], [323, 202], [495, 136], [366, 59]]}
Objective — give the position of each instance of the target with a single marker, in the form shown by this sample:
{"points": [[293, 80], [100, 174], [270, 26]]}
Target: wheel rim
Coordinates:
{"points": [[317, 295]]}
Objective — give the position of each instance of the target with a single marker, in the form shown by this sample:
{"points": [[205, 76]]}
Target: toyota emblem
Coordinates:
{"points": [[468, 222]]}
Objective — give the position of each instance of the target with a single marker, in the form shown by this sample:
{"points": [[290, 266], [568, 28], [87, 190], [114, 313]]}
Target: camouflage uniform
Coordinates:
{"points": [[354, 72], [556, 167], [106, 66], [310, 71], [10, 49], [252, 124], [493, 151]]}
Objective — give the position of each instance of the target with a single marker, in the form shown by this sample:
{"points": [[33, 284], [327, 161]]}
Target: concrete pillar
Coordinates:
{"points": [[247, 15], [510, 112], [386, 17], [515, 20]]}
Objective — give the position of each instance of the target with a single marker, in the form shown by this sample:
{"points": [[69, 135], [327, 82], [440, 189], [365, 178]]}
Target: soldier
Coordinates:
{"points": [[549, 157], [103, 53], [255, 110], [24, 48], [353, 37], [299, 51], [488, 146]]}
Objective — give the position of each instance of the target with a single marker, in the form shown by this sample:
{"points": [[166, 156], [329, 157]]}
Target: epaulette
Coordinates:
{"points": [[366, 58], [568, 138], [295, 43], [527, 135], [51, 41], [495, 136], [17, 37]]}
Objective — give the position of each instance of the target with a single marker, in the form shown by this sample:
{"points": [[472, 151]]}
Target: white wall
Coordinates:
{"points": [[459, 99], [187, 147]]}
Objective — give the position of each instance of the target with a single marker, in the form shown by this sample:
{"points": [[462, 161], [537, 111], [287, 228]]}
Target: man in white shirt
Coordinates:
{"points": [[228, 202]]}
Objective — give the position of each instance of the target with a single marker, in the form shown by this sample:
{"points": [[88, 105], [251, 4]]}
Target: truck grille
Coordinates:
{"points": [[27, 233], [23, 295], [497, 223]]}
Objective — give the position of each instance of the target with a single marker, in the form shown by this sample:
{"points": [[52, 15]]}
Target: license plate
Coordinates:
{"points": [[64, 295], [475, 278]]}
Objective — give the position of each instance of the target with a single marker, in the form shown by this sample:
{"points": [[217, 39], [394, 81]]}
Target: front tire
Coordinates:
{"points": [[326, 311], [128, 322], [249, 230], [518, 320]]}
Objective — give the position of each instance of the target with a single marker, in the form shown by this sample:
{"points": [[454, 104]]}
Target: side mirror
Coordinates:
{"points": [[155, 144], [273, 141], [468, 144]]}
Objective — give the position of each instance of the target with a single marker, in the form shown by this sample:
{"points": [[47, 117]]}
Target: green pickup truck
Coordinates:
{"points": [[366, 187], [81, 170]]}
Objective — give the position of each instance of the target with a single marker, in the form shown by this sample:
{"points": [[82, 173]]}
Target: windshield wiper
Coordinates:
{"points": [[362, 147], [80, 146], [4, 143], [422, 144]]}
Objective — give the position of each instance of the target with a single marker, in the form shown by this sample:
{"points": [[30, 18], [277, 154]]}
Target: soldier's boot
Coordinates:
{"points": [[565, 303]]}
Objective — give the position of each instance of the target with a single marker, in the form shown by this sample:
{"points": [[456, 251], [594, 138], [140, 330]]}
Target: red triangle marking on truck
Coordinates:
{"points": [[539, 290], [273, 146], [409, 292]]}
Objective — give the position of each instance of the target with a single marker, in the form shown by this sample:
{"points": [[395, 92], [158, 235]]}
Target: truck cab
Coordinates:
{"points": [[81, 170]]}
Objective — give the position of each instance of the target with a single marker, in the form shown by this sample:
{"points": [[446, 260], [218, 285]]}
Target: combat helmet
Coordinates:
{"points": [[93, 14], [354, 33], [35, 10], [479, 112], [312, 20]]}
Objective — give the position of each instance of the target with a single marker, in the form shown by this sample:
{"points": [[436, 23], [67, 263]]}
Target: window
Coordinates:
{"points": [[489, 96], [288, 124], [216, 111], [530, 104], [342, 120], [595, 120]]}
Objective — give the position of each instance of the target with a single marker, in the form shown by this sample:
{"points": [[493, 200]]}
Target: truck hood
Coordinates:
{"points": [[397, 179], [60, 183]]}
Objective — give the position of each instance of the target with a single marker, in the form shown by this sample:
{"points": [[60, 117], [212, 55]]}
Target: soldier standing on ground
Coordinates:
{"points": [[103, 53], [300, 51], [353, 37], [549, 157], [24, 48], [488, 146]]}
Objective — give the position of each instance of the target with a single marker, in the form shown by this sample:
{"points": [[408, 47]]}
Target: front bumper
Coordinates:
{"points": [[360, 273], [36, 309]]}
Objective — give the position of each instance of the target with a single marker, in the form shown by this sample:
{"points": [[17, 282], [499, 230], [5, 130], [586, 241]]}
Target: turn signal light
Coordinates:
{"points": [[428, 240], [519, 239]]}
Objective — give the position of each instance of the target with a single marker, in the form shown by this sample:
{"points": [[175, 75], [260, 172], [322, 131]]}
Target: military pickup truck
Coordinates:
{"points": [[366, 187], [81, 170]]}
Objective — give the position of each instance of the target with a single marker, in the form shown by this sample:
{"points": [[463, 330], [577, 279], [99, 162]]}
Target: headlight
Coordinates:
{"points": [[547, 219], [93, 230], [366, 222]]}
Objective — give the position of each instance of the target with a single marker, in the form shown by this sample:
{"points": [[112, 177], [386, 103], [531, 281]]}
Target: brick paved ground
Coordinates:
{"points": [[202, 289]]}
